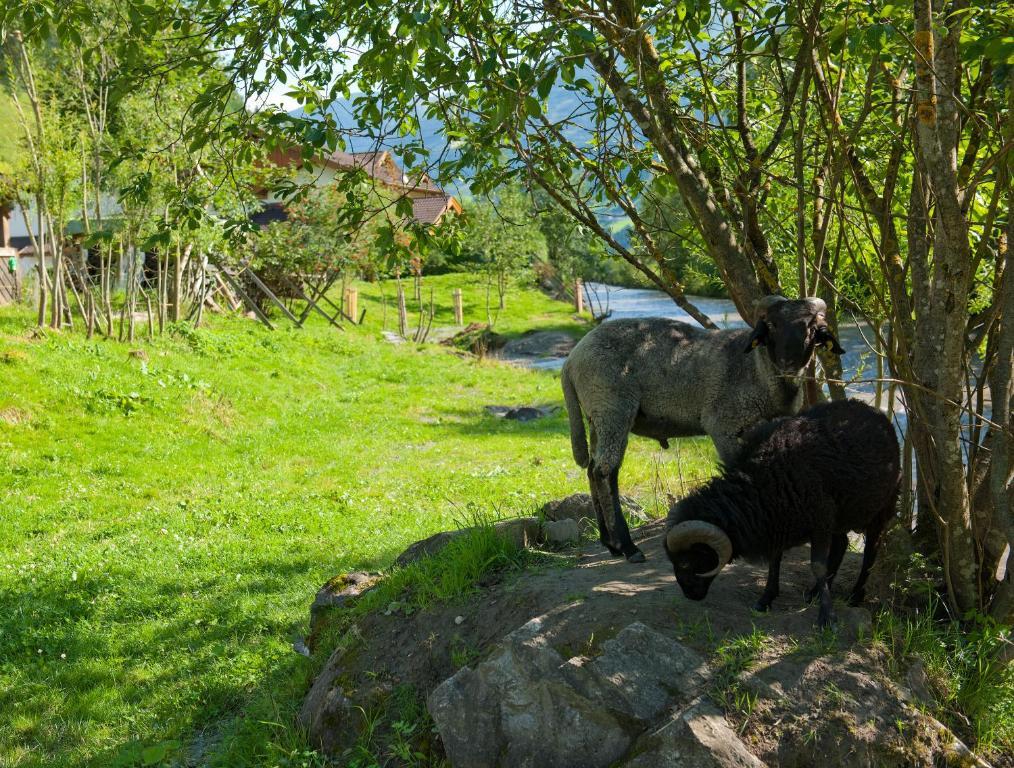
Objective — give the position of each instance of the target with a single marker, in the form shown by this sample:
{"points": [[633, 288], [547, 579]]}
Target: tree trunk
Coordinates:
{"points": [[940, 353]]}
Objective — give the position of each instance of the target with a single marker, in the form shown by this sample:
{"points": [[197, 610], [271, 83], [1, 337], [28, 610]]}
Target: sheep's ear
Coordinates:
{"points": [[758, 337], [825, 339]]}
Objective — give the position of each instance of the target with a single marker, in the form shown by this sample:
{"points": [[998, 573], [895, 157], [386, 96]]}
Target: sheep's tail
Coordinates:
{"points": [[578, 439]]}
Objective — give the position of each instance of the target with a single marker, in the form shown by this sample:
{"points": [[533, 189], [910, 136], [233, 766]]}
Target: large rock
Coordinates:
{"points": [[426, 547], [336, 718], [518, 709], [609, 674], [578, 506], [640, 673], [527, 706], [523, 532], [698, 737]]}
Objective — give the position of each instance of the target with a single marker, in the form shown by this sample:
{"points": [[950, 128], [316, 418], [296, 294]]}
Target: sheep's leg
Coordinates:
{"points": [[604, 535], [610, 447], [820, 551], [621, 532], [869, 557], [771, 588], [839, 545]]}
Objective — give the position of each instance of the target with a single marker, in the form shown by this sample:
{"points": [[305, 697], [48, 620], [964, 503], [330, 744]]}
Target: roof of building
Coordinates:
{"points": [[382, 166], [430, 210], [429, 202]]}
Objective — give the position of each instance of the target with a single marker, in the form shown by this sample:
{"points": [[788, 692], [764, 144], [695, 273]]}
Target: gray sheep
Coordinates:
{"points": [[808, 479], [661, 378]]}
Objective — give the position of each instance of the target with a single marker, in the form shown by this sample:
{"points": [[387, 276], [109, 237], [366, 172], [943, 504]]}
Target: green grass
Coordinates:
{"points": [[972, 684], [734, 656], [525, 309], [164, 524]]}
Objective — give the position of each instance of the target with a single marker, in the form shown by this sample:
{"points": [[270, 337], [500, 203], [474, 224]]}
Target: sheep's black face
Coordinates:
{"points": [[689, 564], [790, 331]]}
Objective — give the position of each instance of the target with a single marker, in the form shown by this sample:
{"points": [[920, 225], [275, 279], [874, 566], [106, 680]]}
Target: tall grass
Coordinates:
{"points": [[972, 680]]}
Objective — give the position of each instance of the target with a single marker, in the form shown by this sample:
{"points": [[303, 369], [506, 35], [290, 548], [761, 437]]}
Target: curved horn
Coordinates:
{"points": [[763, 305], [817, 306], [682, 536]]}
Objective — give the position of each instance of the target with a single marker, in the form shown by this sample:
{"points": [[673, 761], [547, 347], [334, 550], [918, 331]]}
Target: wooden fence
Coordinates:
{"points": [[10, 286]]}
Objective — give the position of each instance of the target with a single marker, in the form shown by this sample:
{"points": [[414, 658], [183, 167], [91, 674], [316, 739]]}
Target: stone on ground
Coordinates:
{"points": [[561, 531], [521, 531], [540, 344], [578, 506], [698, 737], [426, 547], [528, 706], [337, 592]]}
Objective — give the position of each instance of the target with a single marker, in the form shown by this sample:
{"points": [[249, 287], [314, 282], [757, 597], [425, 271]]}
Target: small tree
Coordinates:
{"points": [[501, 236]]}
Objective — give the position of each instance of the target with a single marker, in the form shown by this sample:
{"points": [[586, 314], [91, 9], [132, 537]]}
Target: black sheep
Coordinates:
{"points": [[808, 478]]}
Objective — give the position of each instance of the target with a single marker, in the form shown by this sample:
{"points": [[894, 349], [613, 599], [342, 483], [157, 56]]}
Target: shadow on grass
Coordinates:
{"points": [[200, 667]]}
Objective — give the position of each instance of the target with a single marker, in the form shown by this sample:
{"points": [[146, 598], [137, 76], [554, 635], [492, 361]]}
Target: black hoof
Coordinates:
{"points": [[826, 621], [762, 607], [855, 600], [637, 556]]}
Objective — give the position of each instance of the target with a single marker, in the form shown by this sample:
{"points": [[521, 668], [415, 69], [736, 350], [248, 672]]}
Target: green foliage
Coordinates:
{"points": [[733, 657], [500, 237], [680, 242], [971, 677], [574, 251], [449, 574], [10, 148]]}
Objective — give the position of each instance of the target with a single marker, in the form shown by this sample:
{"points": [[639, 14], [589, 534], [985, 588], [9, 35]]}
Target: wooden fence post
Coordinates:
{"points": [[579, 295], [352, 302], [402, 314], [459, 312]]}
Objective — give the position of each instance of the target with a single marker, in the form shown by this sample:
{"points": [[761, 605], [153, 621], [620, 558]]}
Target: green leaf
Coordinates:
{"points": [[546, 83], [835, 37]]}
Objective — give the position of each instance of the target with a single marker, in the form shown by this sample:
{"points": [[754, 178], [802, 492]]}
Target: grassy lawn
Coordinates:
{"points": [[525, 309], [167, 516]]}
